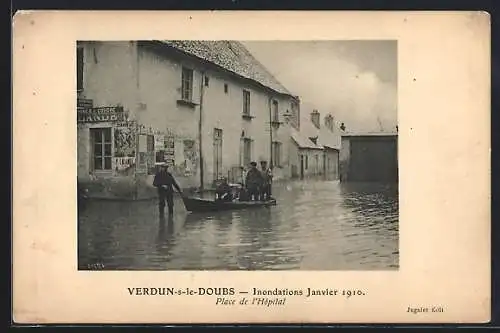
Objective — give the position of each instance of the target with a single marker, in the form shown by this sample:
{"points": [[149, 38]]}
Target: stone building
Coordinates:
{"points": [[318, 148], [307, 160], [207, 108]]}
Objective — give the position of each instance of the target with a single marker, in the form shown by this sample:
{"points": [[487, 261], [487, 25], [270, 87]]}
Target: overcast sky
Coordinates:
{"points": [[356, 81]]}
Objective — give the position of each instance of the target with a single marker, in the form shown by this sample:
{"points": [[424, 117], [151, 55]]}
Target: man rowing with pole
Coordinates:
{"points": [[164, 182]]}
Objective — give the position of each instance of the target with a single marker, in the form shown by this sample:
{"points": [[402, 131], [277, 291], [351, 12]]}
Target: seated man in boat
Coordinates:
{"points": [[242, 194], [236, 189], [223, 192], [253, 182]]}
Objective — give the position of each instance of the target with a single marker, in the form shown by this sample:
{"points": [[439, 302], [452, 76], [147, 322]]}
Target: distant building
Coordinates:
{"points": [[306, 161], [369, 157], [149, 101], [318, 148]]}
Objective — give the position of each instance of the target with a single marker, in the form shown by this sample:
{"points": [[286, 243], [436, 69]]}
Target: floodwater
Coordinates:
{"points": [[316, 225]]}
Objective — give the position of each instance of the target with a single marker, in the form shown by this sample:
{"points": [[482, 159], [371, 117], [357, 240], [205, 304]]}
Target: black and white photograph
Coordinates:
{"points": [[251, 167], [237, 155]]}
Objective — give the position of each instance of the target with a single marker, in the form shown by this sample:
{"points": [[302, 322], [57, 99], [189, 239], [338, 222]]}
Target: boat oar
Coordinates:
{"points": [[183, 198]]}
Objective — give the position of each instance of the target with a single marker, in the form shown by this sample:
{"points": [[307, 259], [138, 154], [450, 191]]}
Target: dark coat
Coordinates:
{"points": [[165, 179], [254, 178], [267, 176]]}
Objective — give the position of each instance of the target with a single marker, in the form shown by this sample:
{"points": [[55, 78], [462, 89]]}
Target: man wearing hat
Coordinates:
{"points": [[267, 176], [223, 190], [164, 182], [253, 181]]}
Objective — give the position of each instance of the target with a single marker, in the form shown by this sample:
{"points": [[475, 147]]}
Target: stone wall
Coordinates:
{"points": [[128, 188], [150, 90]]}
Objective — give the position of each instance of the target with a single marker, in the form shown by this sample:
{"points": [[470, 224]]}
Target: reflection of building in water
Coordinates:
{"points": [[149, 101]]}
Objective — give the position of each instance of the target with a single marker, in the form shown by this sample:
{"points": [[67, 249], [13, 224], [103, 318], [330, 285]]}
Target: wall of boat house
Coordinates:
{"points": [[146, 83], [369, 157]]}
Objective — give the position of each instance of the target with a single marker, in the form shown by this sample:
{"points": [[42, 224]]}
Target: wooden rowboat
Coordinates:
{"points": [[205, 205]]}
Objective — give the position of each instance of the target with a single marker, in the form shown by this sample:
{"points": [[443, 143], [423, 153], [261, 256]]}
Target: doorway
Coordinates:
{"points": [[326, 166]]}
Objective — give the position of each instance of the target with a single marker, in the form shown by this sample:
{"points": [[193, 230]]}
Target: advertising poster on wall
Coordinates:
{"points": [[159, 142], [142, 165], [169, 142], [190, 157], [159, 148]]}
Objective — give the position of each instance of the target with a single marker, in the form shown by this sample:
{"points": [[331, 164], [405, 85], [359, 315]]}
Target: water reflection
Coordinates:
{"points": [[321, 225], [165, 237], [256, 232]]}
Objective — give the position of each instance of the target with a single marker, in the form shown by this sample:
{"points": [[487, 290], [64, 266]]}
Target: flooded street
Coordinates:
{"points": [[316, 225]]}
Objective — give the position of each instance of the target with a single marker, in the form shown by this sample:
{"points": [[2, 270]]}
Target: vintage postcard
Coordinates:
{"points": [[251, 167]]}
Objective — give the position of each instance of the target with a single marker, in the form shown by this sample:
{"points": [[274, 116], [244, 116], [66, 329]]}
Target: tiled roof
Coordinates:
{"points": [[232, 56], [326, 138], [329, 139]]}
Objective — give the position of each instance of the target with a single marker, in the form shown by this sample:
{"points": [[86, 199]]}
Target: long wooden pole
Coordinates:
{"points": [[200, 132], [137, 116]]}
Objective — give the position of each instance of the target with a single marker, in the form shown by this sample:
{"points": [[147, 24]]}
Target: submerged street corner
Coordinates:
{"points": [[315, 226]]}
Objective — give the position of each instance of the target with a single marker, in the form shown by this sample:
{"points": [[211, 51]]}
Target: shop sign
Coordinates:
{"points": [[84, 103], [100, 114]]}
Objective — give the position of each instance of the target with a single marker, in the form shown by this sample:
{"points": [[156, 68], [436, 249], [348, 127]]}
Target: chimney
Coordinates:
{"points": [[315, 118], [329, 122]]}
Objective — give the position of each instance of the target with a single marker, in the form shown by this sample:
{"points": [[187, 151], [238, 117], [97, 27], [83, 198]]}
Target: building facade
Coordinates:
{"points": [[318, 148], [307, 158], [206, 108], [369, 157]]}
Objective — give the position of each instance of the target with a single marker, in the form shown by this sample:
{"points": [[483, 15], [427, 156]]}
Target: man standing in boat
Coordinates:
{"points": [[165, 182], [253, 181], [267, 178]]}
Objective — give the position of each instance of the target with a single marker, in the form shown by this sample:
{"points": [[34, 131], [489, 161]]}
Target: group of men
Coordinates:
{"points": [[257, 186], [258, 182]]}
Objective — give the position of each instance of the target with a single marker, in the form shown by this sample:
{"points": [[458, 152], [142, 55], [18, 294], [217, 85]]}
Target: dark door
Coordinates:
{"points": [[325, 165], [336, 166], [301, 166], [373, 159]]}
